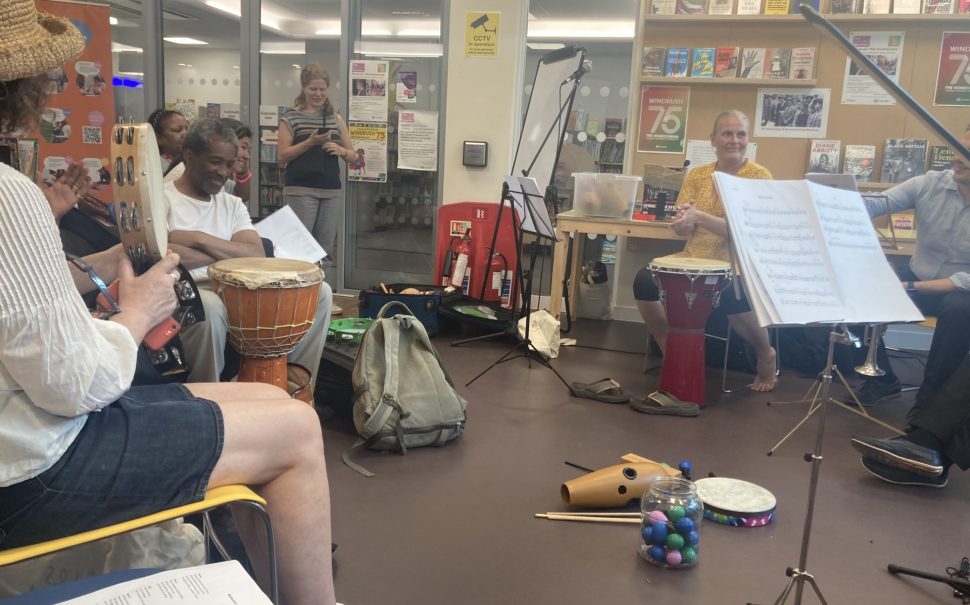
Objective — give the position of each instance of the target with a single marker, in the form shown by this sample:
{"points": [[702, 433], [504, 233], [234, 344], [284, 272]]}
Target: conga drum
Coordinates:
{"points": [[270, 304], [690, 289]]}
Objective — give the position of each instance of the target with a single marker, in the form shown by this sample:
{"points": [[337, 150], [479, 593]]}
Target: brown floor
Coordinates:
{"points": [[455, 525]]}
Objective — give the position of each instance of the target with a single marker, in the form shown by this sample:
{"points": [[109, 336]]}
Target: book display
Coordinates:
{"points": [[823, 156], [941, 158], [903, 159], [860, 161]]}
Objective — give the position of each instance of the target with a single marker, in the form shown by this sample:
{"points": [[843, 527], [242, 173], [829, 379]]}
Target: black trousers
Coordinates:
{"points": [[951, 339], [946, 414]]}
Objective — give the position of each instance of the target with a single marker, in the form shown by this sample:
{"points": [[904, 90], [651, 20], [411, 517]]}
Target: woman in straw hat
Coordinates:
{"points": [[63, 467]]}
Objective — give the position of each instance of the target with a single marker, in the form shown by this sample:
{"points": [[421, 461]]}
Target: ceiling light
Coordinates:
{"points": [[118, 47], [226, 8], [567, 29], [297, 65], [266, 20], [419, 33], [185, 41], [185, 65], [398, 49], [328, 28], [545, 45], [112, 20], [283, 48]]}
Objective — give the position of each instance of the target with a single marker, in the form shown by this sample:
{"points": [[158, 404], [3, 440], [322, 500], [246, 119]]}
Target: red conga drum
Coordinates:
{"points": [[689, 289], [270, 304]]}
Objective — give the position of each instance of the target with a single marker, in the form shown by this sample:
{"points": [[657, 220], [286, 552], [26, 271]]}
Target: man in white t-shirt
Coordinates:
{"points": [[207, 224]]}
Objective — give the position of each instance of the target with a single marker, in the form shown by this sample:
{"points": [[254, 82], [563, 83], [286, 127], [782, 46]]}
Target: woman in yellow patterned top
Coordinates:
{"points": [[701, 217]]}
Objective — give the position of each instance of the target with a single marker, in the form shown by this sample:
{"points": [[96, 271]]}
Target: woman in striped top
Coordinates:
{"points": [[311, 138]]}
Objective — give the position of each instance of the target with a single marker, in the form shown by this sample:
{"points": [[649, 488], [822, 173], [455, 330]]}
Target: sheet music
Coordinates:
{"points": [[289, 236], [525, 189], [225, 583], [808, 253]]}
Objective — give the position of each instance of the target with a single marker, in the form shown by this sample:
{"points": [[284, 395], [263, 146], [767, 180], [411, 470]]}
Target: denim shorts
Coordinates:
{"points": [[152, 449]]}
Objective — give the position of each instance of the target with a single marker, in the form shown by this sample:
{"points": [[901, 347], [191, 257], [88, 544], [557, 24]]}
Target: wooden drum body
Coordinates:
{"points": [[690, 289], [270, 304]]}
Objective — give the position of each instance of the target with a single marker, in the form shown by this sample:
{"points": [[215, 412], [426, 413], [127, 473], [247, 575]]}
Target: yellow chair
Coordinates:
{"points": [[214, 498]]}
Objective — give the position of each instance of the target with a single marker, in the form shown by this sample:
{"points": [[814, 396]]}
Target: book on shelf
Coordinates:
{"points": [[678, 62], [938, 7], [702, 64], [860, 161], [963, 7], [753, 63], [808, 253], [779, 63], [776, 7], [941, 158], [794, 4], [903, 226], [663, 7], [907, 7], [691, 7], [592, 125], [845, 7], [903, 159], [726, 62], [720, 7], [652, 61], [749, 7], [802, 63], [823, 156], [612, 126], [875, 7], [267, 152]]}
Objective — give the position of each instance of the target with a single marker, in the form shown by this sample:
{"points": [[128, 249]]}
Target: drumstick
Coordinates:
{"points": [[384, 288], [587, 519], [592, 514]]}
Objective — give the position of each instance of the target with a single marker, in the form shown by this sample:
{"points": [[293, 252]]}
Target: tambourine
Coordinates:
{"points": [[141, 211], [735, 502]]}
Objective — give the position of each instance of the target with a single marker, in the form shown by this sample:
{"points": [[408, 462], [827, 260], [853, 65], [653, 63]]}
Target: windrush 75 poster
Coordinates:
{"points": [[663, 119], [953, 79]]}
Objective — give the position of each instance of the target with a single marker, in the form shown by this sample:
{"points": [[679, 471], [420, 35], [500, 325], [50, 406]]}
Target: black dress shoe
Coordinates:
{"points": [[901, 454], [898, 476]]}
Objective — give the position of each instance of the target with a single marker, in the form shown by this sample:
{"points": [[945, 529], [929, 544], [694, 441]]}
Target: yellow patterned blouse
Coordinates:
{"points": [[699, 187]]}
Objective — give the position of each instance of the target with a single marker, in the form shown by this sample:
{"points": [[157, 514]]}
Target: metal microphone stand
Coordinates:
{"points": [[812, 395]]}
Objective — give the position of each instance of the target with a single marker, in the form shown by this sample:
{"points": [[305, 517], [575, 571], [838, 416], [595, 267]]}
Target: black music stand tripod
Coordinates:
{"points": [[524, 346], [799, 576]]}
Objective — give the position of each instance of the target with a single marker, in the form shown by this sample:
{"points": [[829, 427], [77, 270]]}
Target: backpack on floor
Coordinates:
{"points": [[403, 397]]}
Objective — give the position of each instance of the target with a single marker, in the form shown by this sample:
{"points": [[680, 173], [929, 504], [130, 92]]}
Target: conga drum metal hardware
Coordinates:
{"points": [[690, 288], [270, 304]]}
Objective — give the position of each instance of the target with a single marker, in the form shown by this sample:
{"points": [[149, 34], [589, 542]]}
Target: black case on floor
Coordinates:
{"points": [[423, 306]]}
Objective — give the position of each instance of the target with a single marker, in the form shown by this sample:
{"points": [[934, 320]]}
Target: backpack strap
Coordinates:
{"points": [[388, 403]]}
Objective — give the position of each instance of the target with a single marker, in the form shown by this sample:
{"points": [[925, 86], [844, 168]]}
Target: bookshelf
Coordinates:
{"points": [[664, 81]]}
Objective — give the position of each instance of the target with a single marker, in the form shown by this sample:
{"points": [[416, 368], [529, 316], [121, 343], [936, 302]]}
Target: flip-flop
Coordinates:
{"points": [[606, 390], [663, 403]]}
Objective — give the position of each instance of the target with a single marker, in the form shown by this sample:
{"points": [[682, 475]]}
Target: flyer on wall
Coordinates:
{"points": [[792, 112], [417, 140], [885, 49], [368, 91], [953, 77], [370, 143], [75, 125], [663, 119], [406, 89]]}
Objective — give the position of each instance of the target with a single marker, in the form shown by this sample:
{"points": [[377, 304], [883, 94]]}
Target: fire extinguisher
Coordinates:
{"points": [[496, 274], [463, 261], [448, 263]]}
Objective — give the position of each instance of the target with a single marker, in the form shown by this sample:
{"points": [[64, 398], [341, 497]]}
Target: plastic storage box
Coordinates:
{"points": [[611, 195]]}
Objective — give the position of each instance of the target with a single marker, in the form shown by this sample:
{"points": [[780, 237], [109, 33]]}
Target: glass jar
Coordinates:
{"points": [[670, 530]]}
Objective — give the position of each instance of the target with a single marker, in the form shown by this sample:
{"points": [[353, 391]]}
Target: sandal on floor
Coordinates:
{"points": [[663, 403], [606, 390]]}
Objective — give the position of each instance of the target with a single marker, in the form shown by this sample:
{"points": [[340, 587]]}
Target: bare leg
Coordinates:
{"points": [[746, 325], [274, 444], [654, 315]]}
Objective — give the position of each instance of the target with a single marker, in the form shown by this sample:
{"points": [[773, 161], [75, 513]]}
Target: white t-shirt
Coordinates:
{"points": [[222, 216]]}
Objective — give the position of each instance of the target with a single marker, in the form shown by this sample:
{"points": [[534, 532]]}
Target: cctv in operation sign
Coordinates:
{"points": [[481, 34]]}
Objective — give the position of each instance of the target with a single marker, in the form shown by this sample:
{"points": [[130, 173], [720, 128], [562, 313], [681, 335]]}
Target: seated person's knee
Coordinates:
{"points": [[644, 288]]}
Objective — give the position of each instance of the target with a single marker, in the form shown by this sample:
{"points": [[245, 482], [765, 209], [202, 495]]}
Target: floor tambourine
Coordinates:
{"points": [[735, 502]]}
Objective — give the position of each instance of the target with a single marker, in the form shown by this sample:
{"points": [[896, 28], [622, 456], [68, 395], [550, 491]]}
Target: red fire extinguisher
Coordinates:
{"points": [[448, 263], [463, 261], [496, 273]]}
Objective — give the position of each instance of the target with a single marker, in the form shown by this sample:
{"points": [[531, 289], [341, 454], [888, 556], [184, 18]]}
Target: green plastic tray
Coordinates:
{"points": [[350, 329]]}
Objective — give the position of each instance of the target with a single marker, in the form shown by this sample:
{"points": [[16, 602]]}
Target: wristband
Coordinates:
{"points": [[911, 287], [243, 180]]}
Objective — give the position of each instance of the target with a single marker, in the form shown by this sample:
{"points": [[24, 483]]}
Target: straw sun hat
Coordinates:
{"points": [[32, 42]]}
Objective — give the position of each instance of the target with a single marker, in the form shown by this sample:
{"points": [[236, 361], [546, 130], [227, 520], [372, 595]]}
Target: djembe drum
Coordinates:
{"points": [[270, 304], [690, 289]]}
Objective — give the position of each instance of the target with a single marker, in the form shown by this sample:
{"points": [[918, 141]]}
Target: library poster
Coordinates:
{"points": [[953, 77], [76, 124], [368, 93], [370, 143], [417, 140], [481, 34], [792, 113], [885, 49], [663, 119]]}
